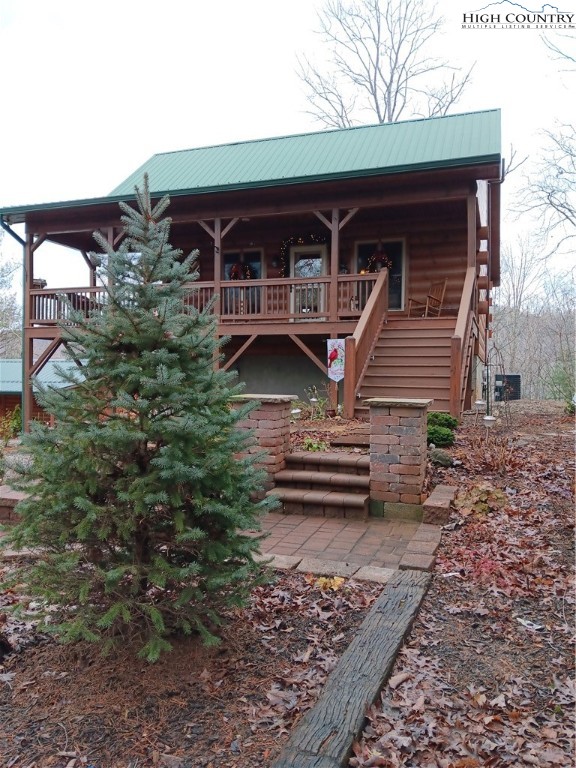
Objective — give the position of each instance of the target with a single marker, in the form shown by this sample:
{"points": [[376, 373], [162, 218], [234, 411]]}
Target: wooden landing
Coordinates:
{"points": [[324, 736]]}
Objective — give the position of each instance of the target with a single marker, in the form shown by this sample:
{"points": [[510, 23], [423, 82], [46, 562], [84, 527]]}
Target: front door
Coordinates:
{"points": [[308, 262]]}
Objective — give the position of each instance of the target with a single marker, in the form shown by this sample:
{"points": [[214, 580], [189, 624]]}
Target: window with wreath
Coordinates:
{"points": [[374, 255], [242, 265]]}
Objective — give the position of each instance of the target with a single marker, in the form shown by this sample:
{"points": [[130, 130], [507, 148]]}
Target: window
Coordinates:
{"points": [[242, 265], [374, 255]]}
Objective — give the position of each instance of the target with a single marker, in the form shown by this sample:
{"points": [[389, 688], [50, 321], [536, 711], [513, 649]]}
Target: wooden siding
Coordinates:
{"points": [[436, 251]]}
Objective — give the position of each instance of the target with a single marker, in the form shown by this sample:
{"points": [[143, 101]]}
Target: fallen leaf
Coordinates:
{"points": [[397, 680]]}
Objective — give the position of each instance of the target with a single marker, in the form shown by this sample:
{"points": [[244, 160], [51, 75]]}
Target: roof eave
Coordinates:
{"points": [[17, 214]]}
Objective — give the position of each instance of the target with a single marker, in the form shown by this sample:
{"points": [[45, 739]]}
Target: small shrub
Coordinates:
{"points": [[440, 436], [16, 421], [10, 425], [440, 419], [310, 444]]}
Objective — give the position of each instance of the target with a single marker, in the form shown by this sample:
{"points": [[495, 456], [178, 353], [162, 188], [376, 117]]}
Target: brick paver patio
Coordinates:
{"points": [[374, 543], [370, 549]]}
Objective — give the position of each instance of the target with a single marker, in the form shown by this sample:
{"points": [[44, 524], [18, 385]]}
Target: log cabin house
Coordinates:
{"points": [[337, 234]]}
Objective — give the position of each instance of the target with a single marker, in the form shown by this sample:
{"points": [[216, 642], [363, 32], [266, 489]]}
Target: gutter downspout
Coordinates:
{"points": [[491, 182], [18, 239]]}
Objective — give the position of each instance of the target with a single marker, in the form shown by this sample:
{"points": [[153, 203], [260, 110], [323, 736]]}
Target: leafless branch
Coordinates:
{"points": [[378, 64]]}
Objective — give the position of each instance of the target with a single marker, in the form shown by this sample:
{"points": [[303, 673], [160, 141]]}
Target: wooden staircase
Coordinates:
{"points": [[324, 483], [411, 359]]}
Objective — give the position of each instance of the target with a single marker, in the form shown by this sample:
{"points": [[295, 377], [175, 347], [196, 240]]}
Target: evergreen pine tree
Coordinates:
{"points": [[137, 498]]}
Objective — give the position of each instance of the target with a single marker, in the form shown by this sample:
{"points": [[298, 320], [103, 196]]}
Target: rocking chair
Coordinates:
{"points": [[432, 305]]}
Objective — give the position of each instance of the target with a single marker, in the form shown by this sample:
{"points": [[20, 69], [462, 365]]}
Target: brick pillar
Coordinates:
{"points": [[270, 424], [398, 452]]}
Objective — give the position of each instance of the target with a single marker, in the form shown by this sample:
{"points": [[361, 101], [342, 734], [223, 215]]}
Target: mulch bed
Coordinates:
{"points": [[486, 677], [233, 705]]}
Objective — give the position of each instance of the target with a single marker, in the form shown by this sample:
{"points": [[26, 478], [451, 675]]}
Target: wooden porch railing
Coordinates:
{"points": [[49, 307], [278, 300], [460, 348], [359, 346]]}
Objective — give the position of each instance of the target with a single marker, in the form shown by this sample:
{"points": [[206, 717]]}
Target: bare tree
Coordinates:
{"points": [[522, 269], [533, 323], [379, 64], [10, 312], [550, 189], [563, 48]]}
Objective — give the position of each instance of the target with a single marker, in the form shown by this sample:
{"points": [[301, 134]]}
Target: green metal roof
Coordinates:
{"points": [[440, 142], [471, 138], [11, 374]]}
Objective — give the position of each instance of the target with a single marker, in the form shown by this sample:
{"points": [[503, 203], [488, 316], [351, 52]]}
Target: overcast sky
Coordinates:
{"points": [[92, 90]]}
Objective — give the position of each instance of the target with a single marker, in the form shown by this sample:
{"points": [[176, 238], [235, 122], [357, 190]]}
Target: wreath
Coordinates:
{"points": [[240, 271]]}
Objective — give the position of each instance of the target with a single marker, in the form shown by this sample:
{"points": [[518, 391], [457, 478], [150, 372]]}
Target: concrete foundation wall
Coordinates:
{"points": [[276, 374]]}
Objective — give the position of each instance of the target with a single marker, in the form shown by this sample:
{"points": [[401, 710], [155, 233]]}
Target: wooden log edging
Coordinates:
{"points": [[324, 736]]}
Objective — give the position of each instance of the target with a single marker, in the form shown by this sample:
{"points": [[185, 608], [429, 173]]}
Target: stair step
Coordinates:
{"points": [[418, 357], [324, 503], [409, 390], [377, 379], [310, 460], [302, 478], [357, 439]]}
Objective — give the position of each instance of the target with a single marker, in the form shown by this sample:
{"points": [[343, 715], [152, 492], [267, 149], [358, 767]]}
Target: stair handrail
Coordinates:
{"points": [[462, 331], [359, 346]]}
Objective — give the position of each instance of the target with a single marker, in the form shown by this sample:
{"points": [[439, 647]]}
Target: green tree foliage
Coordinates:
{"points": [[137, 497], [442, 419], [440, 436]]}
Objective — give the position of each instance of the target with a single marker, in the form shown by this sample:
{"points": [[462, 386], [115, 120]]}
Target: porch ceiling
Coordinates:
{"points": [[72, 224]]}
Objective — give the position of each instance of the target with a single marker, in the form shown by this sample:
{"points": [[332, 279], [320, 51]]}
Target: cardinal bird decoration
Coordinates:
{"points": [[335, 364]]}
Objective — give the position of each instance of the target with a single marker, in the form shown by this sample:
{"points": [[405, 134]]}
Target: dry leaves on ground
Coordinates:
{"points": [[67, 707], [487, 677]]}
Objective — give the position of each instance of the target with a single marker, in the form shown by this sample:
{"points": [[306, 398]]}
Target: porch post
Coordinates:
{"points": [[471, 232], [334, 262], [217, 262], [27, 342]]}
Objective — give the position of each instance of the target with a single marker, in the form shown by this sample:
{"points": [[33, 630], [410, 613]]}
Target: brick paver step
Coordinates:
{"points": [[333, 459], [331, 480], [8, 500], [324, 498]]}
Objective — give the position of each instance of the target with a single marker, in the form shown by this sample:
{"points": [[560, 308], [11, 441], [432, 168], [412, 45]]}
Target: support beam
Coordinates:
{"points": [[45, 356], [309, 353], [352, 212], [38, 242], [239, 352]]}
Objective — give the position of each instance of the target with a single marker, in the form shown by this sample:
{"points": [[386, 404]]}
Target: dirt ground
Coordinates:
{"points": [[486, 677]]}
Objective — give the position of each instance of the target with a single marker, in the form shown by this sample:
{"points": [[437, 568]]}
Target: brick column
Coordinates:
{"points": [[270, 424], [398, 453]]}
